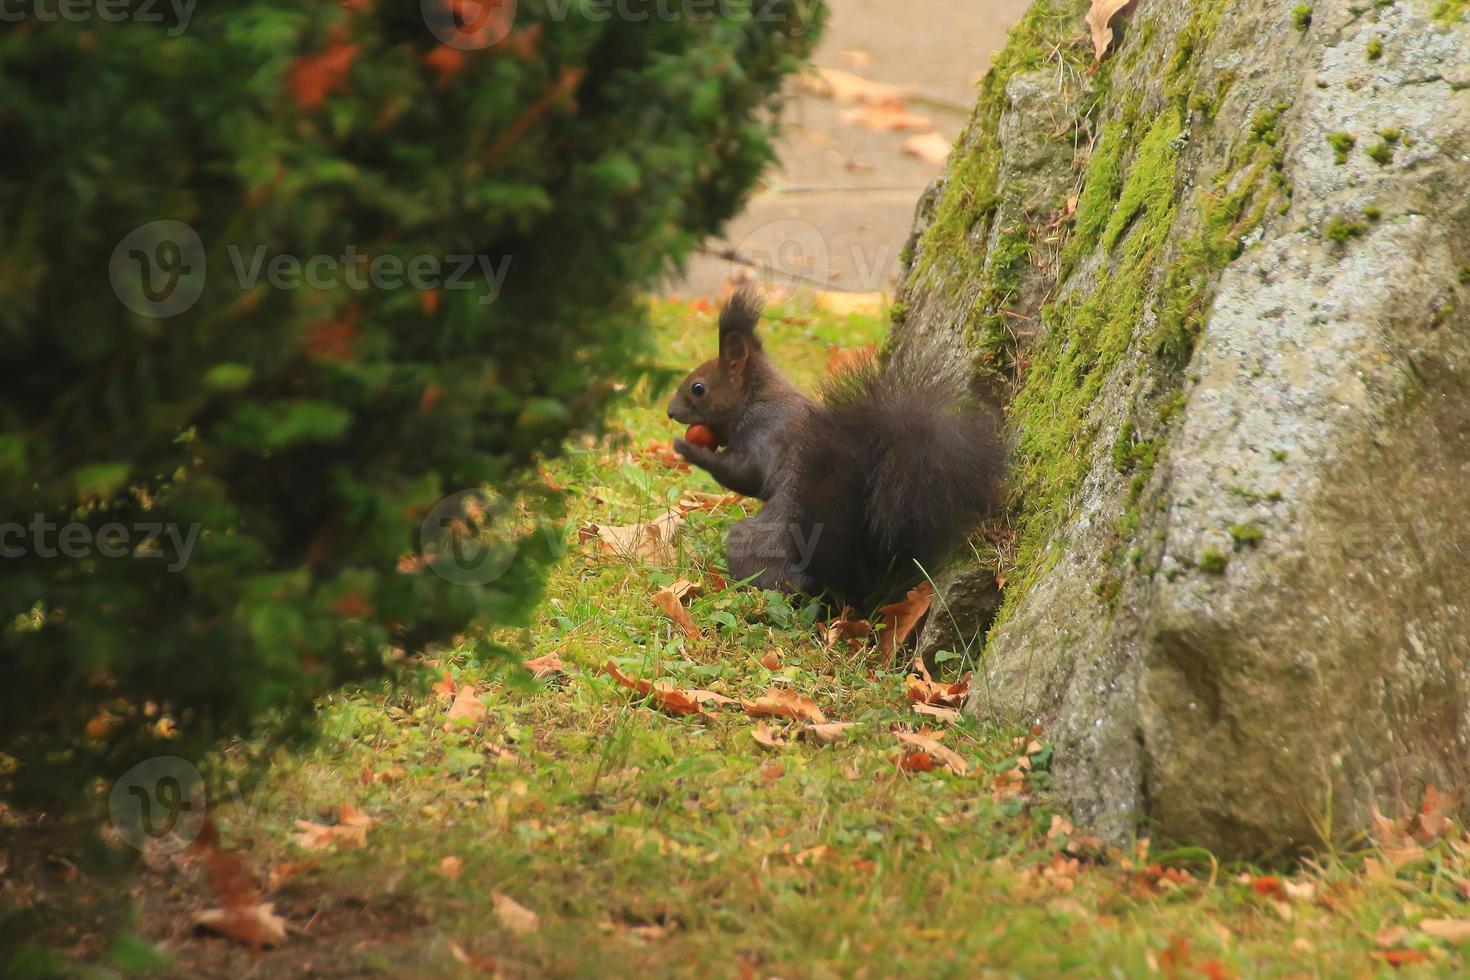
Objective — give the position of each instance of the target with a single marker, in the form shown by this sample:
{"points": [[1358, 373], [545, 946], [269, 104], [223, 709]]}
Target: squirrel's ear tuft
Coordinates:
{"points": [[737, 324]]}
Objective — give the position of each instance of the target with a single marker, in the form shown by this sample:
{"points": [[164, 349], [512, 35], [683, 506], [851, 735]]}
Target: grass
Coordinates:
{"points": [[655, 845]]}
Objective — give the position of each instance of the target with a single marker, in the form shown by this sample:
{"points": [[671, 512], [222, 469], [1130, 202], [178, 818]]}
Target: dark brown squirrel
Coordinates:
{"points": [[864, 491]]}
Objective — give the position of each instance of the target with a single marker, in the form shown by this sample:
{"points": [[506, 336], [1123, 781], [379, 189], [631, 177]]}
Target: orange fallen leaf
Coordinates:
{"points": [[764, 736], [664, 694], [771, 661], [784, 703], [900, 618], [664, 455], [445, 687], [929, 147], [451, 867], [927, 741], [513, 915], [312, 77], [691, 500], [653, 541], [350, 831], [886, 118], [467, 707], [1268, 886], [842, 86], [1100, 20], [1451, 930], [1400, 957], [916, 761], [667, 601], [255, 925], [934, 711], [286, 870], [830, 732], [846, 629], [922, 691], [544, 667], [772, 771]]}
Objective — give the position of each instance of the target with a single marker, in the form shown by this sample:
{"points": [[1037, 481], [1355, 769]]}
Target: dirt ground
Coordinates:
{"points": [[838, 210]]}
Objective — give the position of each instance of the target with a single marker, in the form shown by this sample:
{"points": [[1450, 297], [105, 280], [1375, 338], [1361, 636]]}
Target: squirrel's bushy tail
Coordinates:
{"points": [[933, 461]]}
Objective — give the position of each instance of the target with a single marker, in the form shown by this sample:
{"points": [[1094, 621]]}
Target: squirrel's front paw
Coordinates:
{"points": [[698, 455]]}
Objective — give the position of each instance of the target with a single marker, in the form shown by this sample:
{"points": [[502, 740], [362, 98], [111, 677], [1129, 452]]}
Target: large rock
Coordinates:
{"points": [[1241, 388]]}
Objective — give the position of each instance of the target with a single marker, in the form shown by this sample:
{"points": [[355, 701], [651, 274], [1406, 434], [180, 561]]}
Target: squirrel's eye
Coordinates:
{"points": [[698, 389]]}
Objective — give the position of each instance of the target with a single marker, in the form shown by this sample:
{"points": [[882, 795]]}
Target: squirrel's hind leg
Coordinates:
{"points": [[759, 548]]}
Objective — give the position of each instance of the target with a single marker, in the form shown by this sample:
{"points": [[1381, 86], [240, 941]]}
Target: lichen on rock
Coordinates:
{"points": [[1209, 380]]}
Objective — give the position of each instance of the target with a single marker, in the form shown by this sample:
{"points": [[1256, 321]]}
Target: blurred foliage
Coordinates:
{"points": [[308, 432]]}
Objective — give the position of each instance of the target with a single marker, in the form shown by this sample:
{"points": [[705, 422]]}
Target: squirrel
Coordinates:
{"points": [[863, 491]]}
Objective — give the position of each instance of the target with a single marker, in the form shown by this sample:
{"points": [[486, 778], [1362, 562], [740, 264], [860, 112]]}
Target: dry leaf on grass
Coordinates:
{"points": [[451, 867], [916, 761], [1100, 19], [653, 541], [544, 667], [667, 601], [829, 732], [900, 618], [847, 630], [255, 925], [923, 691], [444, 687], [467, 707], [927, 741], [764, 736], [1451, 930], [886, 118], [934, 711], [771, 661], [513, 915], [663, 454], [666, 695], [349, 833], [779, 702], [691, 500], [929, 147], [286, 870]]}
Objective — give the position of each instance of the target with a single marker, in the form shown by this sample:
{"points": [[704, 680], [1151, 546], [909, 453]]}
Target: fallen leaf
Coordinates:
{"points": [[350, 831], [855, 58], [664, 455], [513, 915], [1100, 19], [664, 694], [445, 687], [916, 762], [544, 667], [467, 706], [710, 697], [257, 925], [764, 736], [900, 618], [784, 703], [667, 600], [922, 691], [842, 86], [934, 711], [312, 77], [771, 661], [286, 870], [1391, 935], [1400, 957], [928, 742], [691, 500], [1451, 930], [886, 118], [851, 631], [772, 771], [1268, 886], [929, 147], [829, 732], [451, 867], [653, 541]]}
